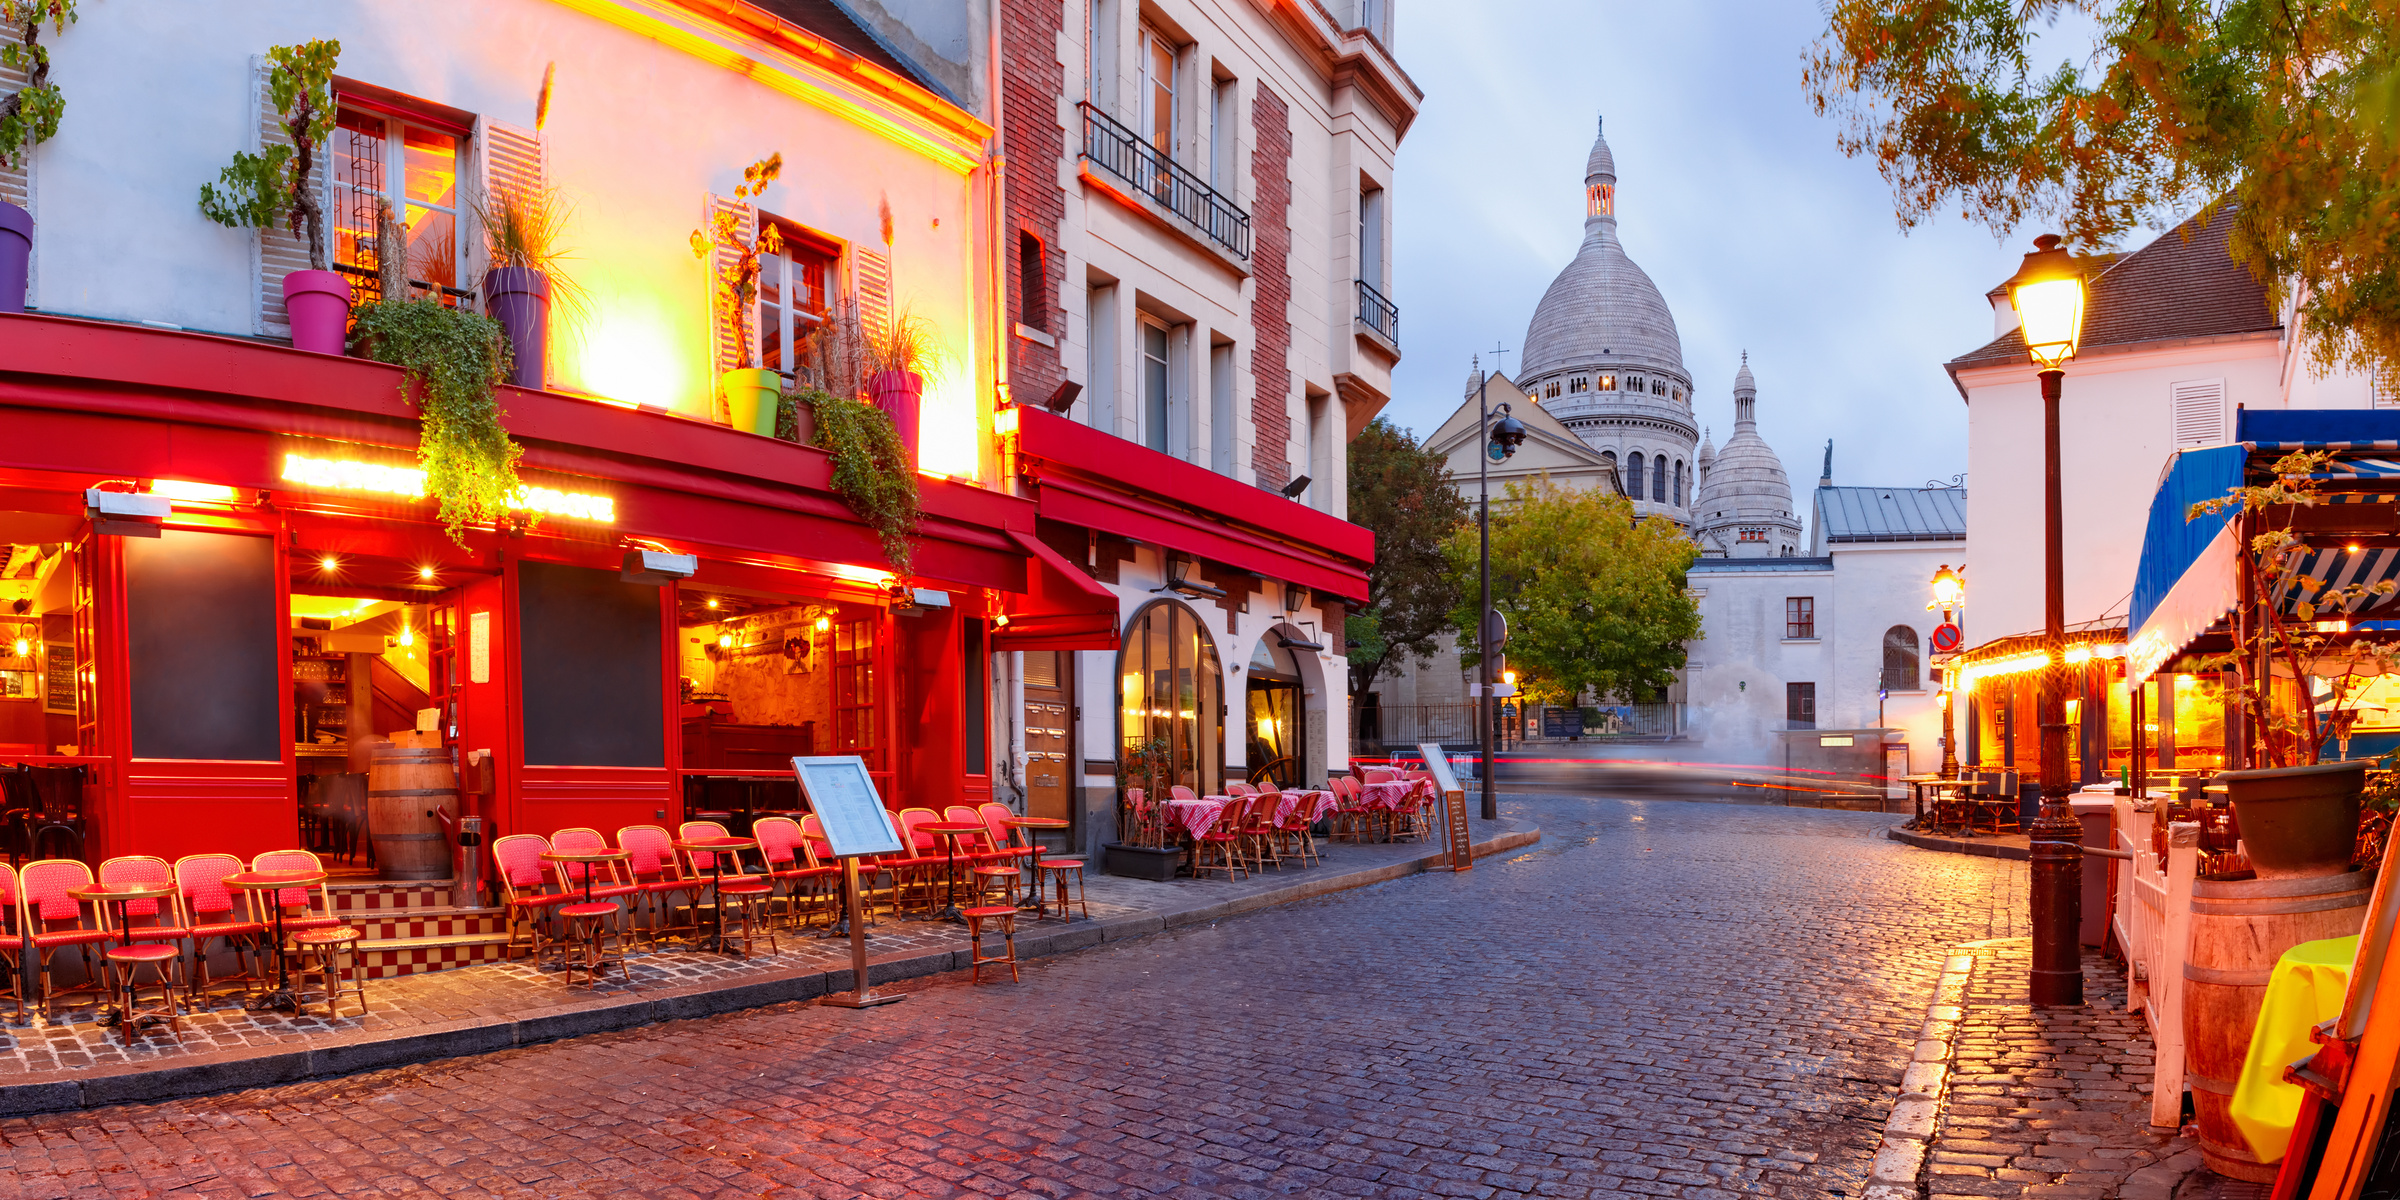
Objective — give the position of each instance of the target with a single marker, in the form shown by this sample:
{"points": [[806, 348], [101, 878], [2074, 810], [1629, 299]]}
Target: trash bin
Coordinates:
{"points": [[2097, 811], [466, 888]]}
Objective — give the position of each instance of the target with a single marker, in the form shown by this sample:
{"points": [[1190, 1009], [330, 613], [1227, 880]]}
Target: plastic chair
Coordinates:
{"points": [[58, 920], [517, 861], [212, 911]]}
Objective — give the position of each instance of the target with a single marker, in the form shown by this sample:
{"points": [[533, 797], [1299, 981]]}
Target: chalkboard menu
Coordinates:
{"points": [[842, 794], [58, 678], [1454, 806]]}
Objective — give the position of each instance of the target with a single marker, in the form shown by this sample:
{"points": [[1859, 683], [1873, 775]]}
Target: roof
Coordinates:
{"points": [[2175, 287], [1891, 514], [833, 21], [1704, 566]]}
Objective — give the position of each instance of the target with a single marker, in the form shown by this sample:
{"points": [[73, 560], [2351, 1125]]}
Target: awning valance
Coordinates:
{"points": [[1061, 609]]}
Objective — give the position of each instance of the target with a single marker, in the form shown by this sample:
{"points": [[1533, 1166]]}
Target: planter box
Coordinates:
{"points": [[1140, 862]]}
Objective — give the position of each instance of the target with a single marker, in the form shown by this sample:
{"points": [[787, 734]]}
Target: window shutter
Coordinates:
{"points": [[2196, 409], [512, 162], [728, 350], [277, 252], [16, 177], [872, 287]]}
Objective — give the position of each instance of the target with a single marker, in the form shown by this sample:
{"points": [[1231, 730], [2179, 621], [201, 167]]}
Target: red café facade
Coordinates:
{"points": [[292, 608]]}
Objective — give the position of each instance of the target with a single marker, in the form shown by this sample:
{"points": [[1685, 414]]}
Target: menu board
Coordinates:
{"points": [[58, 678], [1454, 806], [843, 796]]}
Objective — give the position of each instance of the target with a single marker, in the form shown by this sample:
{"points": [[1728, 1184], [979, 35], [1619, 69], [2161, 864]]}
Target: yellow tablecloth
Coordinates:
{"points": [[2306, 989]]}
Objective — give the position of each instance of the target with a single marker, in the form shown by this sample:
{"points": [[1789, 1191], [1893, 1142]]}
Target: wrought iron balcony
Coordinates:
{"points": [[1150, 171], [1377, 313]]}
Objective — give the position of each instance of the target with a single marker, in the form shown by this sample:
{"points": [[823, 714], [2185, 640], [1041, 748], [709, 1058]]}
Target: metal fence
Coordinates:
{"points": [[1377, 313], [1123, 153], [1403, 726]]}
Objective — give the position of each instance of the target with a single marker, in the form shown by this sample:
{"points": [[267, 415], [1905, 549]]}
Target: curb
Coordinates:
{"points": [[1926, 841], [236, 1069], [1908, 1133]]}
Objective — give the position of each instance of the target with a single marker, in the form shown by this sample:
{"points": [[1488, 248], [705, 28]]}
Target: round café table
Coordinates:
{"points": [[718, 850], [950, 832], [254, 882], [123, 1016], [1029, 824], [590, 937]]}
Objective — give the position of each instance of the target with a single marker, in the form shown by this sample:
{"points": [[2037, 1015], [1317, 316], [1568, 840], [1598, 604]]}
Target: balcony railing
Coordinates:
{"points": [[1122, 152], [1377, 313]]}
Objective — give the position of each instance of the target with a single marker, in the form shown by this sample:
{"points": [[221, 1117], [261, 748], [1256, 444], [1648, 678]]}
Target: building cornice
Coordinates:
{"points": [[1348, 58], [2023, 371]]}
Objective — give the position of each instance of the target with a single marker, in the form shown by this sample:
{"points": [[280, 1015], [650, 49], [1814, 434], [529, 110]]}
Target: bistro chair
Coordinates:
{"points": [[701, 863], [304, 908], [791, 867], [1059, 872], [1179, 792], [1220, 849], [149, 921], [58, 920], [12, 937], [994, 816], [588, 920], [1257, 827], [1004, 917], [517, 860], [746, 891], [212, 912], [1298, 831], [927, 862], [658, 873], [321, 953]]}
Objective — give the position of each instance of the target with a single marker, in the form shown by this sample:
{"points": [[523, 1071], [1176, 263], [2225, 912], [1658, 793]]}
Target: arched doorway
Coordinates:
{"points": [[1171, 686], [1274, 725]]}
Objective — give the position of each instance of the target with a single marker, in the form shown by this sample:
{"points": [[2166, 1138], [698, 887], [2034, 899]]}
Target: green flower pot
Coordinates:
{"points": [[751, 394]]}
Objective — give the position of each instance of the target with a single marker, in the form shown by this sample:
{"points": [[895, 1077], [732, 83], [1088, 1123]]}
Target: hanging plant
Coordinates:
{"points": [[454, 359], [870, 471]]}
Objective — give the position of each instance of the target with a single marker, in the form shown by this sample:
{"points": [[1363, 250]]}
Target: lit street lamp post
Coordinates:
{"points": [[1501, 442], [2047, 293], [1949, 592]]}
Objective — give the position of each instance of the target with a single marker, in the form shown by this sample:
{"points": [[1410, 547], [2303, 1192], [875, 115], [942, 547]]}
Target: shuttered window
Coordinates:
{"points": [[2196, 409], [871, 281], [275, 253]]}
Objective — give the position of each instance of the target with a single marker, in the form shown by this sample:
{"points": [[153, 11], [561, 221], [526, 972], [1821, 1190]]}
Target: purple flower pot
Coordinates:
{"points": [[519, 298], [318, 305], [16, 252], [901, 396]]}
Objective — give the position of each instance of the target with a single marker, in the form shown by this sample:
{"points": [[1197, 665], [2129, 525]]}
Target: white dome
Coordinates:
{"points": [[1602, 310], [1744, 489]]}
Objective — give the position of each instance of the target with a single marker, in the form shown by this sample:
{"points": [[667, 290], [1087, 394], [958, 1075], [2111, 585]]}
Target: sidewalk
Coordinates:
{"points": [[78, 1063], [1987, 845]]}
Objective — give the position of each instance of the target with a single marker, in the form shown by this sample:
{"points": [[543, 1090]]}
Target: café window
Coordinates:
{"points": [[794, 294], [1799, 616], [768, 677], [413, 166], [1171, 688]]}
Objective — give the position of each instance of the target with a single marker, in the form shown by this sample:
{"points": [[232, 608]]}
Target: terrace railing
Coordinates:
{"points": [[1154, 173], [1377, 313]]}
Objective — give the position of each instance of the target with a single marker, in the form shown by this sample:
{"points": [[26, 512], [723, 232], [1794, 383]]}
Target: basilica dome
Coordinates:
{"points": [[1602, 309], [1744, 509]]}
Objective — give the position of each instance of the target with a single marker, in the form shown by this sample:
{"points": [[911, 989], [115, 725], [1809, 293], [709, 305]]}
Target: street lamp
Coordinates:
{"points": [[2047, 292], [1949, 592], [1500, 444]]}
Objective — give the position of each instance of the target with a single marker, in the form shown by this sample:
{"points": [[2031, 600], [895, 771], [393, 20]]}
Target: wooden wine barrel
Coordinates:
{"points": [[404, 783], [2239, 928]]}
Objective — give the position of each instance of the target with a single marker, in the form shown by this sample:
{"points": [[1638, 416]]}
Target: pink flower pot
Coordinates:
{"points": [[901, 396], [318, 304]]}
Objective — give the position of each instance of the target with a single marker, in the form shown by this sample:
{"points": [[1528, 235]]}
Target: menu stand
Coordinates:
{"points": [[858, 996], [856, 825]]}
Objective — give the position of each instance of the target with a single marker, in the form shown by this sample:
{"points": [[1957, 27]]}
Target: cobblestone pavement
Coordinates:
{"points": [[2050, 1102], [1663, 998]]}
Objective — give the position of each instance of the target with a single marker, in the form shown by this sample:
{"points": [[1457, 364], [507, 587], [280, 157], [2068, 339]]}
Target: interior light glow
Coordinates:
{"points": [[192, 493], [329, 564], [24, 648], [712, 601], [424, 572], [349, 476], [824, 623], [408, 637]]}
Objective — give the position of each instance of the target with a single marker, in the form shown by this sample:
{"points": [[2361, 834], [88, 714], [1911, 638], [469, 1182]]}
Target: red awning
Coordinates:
{"points": [[1063, 608]]}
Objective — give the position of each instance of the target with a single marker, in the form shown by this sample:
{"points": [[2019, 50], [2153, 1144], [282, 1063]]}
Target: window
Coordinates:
{"points": [[1221, 126], [1550, 392], [1608, 383], [1171, 688], [1900, 659], [1678, 394], [1658, 479], [2197, 411], [1158, 91], [1033, 288], [1154, 379], [1799, 616], [1633, 475], [794, 293], [1603, 200], [412, 167], [1579, 384], [1101, 363], [1370, 237], [1679, 483], [1749, 535], [1800, 705], [1608, 458], [1658, 387], [1633, 383]]}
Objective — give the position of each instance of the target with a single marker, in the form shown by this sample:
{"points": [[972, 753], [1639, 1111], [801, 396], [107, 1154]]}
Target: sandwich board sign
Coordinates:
{"points": [[1454, 806], [842, 794]]}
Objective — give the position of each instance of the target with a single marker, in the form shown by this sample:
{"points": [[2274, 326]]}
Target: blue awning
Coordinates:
{"points": [[2172, 543], [2288, 429]]}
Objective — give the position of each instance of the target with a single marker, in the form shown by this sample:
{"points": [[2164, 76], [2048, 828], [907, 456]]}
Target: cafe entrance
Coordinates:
{"points": [[1273, 724]]}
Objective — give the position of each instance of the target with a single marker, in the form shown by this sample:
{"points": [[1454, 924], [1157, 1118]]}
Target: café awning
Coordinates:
{"points": [[1062, 608]]}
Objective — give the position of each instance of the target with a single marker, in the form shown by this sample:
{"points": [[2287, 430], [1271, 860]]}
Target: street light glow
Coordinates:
{"points": [[2047, 293]]}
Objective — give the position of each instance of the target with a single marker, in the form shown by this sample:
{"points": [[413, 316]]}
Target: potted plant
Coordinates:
{"points": [[751, 394], [453, 359], [899, 361], [259, 190], [1145, 850], [521, 227], [2298, 815], [27, 119]]}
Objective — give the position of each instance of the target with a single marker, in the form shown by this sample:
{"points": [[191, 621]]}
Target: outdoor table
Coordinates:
{"points": [[275, 881], [718, 850], [2307, 988], [589, 859], [121, 894], [1029, 824], [950, 832], [1919, 785]]}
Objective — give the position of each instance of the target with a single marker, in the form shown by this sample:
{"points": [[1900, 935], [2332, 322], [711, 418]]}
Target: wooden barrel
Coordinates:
{"points": [[404, 784], [2239, 928]]}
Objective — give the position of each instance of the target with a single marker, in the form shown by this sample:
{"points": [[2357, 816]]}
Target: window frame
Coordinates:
{"points": [[812, 246], [1800, 705], [1151, 428], [397, 120], [1153, 38], [1799, 618], [1910, 670], [1033, 281]]}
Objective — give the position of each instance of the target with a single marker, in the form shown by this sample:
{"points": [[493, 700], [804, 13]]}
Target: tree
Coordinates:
{"points": [[1402, 492], [1595, 599], [2281, 115]]}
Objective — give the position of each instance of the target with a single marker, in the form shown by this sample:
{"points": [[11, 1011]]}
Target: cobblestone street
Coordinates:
{"points": [[1661, 998]]}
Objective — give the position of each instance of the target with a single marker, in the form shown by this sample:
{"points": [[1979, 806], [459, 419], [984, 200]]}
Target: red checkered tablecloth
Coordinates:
{"points": [[1384, 797], [1197, 816], [1308, 806]]}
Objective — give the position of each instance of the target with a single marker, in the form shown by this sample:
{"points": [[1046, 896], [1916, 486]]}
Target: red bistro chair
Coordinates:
{"points": [[305, 908], [213, 911], [518, 862], [790, 865], [747, 891], [12, 937], [994, 816], [57, 920], [657, 870], [151, 926], [988, 857]]}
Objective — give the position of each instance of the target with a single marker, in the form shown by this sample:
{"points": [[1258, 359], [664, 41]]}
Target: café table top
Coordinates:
{"points": [[1037, 822], [123, 891], [587, 856], [957, 827], [716, 843], [260, 881]]}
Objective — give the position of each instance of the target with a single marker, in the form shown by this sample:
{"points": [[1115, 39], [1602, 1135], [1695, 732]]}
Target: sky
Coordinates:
{"points": [[1731, 194]]}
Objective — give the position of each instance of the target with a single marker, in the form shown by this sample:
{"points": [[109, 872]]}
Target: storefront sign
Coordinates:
{"points": [[1454, 806], [842, 794], [345, 475], [479, 647]]}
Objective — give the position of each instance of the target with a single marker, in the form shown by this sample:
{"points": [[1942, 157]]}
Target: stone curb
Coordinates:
{"points": [[1908, 1133], [247, 1068], [1927, 841]]}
